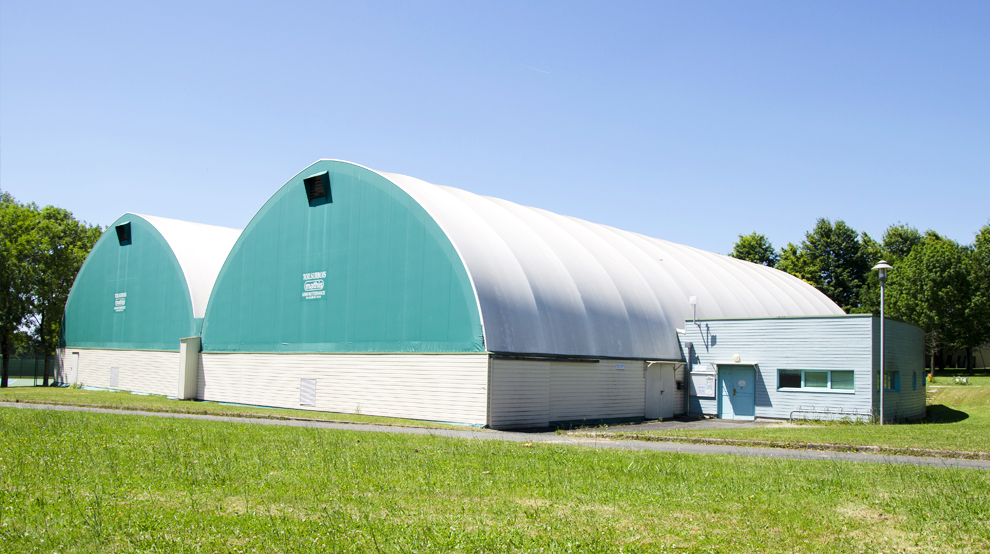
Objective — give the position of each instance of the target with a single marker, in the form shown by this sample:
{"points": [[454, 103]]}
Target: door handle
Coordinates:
{"points": [[733, 392]]}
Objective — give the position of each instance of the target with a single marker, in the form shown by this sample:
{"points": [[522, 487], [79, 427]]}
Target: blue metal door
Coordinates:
{"points": [[736, 392]]}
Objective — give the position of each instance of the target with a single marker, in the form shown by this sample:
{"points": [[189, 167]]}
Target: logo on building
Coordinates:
{"points": [[119, 301], [313, 284]]}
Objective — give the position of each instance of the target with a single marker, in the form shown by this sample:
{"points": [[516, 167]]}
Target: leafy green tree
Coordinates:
{"points": [[755, 248], [793, 261], [17, 244], [932, 288], [980, 277], [62, 246], [897, 242], [832, 259]]}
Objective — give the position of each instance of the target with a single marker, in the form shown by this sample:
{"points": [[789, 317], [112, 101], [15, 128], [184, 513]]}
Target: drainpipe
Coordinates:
{"points": [[688, 347]]}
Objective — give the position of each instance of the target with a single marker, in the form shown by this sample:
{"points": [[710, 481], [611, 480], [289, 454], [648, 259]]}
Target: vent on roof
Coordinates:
{"points": [[318, 189], [124, 233]]}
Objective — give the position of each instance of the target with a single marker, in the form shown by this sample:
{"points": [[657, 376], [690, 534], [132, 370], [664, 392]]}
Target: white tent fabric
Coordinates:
{"points": [[200, 249], [557, 285]]}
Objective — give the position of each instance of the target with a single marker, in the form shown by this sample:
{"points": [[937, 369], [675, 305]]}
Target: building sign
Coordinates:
{"points": [[703, 385], [119, 301], [313, 285]]}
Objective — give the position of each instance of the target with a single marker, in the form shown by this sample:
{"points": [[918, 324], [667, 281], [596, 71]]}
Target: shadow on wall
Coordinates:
{"points": [[939, 413], [763, 399]]}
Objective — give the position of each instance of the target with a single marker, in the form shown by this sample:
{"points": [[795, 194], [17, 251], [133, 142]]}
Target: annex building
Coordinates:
{"points": [[358, 291]]}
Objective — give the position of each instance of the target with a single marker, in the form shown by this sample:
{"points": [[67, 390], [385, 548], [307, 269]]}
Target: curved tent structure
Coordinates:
{"points": [[358, 291], [551, 284], [144, 286], [399, 254]]}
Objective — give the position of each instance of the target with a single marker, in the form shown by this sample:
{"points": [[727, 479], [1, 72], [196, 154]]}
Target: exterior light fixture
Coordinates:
{"points": [[882, 268]]}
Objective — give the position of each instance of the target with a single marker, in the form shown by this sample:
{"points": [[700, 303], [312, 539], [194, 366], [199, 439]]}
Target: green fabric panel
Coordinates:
{"points": [[157, 310], [394, 282]]}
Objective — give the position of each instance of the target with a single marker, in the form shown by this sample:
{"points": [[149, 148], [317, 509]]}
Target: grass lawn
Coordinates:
{"points": [[963, 423], [128, 401], [82, 482]]}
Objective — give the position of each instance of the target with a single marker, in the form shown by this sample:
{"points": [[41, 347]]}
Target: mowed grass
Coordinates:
{"points": [[123, 400], [83, 482], [961, 423]]}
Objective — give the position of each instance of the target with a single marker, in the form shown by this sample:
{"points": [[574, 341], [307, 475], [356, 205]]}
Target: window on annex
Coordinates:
{"points": [[815, 380], [892, 380]]}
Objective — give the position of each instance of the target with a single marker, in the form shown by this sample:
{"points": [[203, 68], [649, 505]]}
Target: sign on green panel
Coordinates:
{"points": [[342, 260], [129, 294]]}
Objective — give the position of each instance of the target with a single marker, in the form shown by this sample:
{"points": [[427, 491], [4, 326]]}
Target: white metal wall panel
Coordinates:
{"points": [[580, 391], [520, 395], [904, 351], [149, 371], [434, 387], [808, 343], [534, 393]]}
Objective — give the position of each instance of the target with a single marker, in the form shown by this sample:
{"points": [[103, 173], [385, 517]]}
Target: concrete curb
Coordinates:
{"points": [[823, 446]]}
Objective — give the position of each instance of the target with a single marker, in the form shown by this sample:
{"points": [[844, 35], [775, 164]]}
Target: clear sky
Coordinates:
{"points": [[688, 121]]}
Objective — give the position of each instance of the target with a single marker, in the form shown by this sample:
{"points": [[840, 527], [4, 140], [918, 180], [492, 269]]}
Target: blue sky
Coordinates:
{"points": [[688, 121]]}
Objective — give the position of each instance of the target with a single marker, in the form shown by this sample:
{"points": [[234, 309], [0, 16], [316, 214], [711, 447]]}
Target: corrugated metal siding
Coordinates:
{"points": [[433, 387], [520, 396], [147, 371], [904, 351], [681, 405], [533, 393], [597, 391], [827, 343]]}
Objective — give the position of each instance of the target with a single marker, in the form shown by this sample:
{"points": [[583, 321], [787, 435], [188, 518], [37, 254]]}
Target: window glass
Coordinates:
{"points": [[892, 380], [816, 379], [843, 380], [789, 379]]}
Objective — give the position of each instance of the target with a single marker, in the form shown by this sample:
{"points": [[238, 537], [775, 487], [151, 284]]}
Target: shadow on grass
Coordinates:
{"points": [[939, 413], [961, 372]]}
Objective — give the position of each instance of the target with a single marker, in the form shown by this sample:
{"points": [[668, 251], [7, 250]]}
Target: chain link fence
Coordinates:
{"points": [[28, 371]]}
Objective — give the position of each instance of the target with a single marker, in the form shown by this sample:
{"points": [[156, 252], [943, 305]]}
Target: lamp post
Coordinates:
{"points": [[882, 268]]}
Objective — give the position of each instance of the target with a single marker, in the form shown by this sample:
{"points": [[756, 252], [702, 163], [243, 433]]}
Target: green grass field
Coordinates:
{"points": [[82, 482], [962, 423], [128, 401]]}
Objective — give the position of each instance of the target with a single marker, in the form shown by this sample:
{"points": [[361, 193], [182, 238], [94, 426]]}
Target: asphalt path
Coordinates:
{"points": [[547, 438]]}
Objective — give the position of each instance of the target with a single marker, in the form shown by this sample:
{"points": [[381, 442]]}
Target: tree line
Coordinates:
{"points": [[41, 251], [937, 283]]}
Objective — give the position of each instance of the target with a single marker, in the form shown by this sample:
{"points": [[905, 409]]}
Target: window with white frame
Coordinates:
{"points": [[815, 380]]}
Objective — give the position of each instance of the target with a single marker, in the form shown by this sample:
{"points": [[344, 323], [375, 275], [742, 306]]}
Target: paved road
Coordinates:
{"points": [[549, 438]]}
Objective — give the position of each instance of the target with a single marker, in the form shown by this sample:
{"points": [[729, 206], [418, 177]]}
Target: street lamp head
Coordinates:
{"points": [[881, 269]]}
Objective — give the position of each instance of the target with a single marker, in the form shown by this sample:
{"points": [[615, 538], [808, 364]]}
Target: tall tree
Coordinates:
{"points": [[979, 312], [832, 259], [793, 261], [932, 288], [17, 244], [755, 248], [63, 243], [895, 245]]}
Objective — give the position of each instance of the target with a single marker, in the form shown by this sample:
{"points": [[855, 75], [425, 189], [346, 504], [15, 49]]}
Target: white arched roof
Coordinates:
{"points": [[551, 284], [200, 250]]}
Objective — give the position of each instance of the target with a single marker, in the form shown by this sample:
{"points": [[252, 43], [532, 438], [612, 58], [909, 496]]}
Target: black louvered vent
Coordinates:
{"points": [[124, 233], [318, 189]]}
